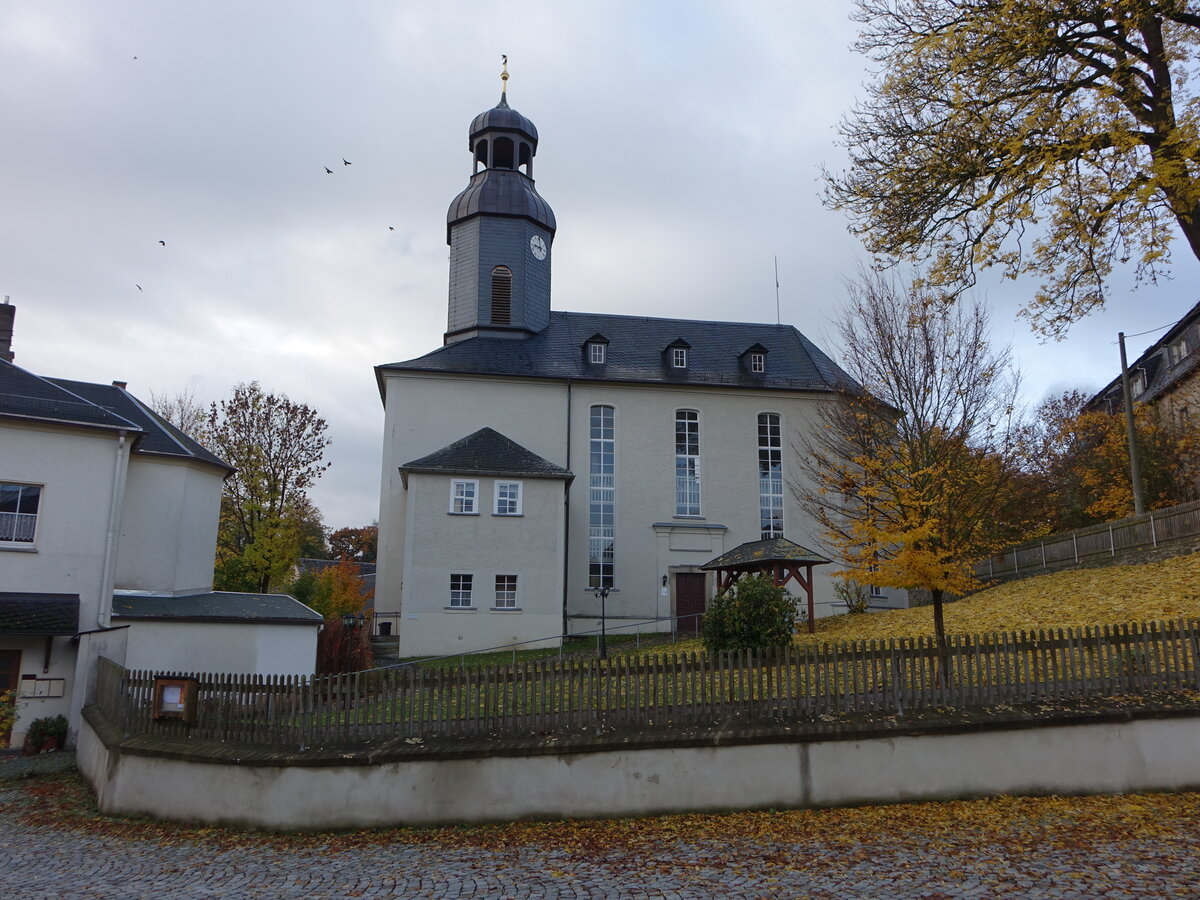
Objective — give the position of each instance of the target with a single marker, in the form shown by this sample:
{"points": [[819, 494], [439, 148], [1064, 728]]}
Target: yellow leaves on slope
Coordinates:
{"points": [[1164, 590]]}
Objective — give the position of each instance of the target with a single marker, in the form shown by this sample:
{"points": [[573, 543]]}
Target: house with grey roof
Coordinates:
{"points": [[108, 527], [1166, 375], [540, 454]]}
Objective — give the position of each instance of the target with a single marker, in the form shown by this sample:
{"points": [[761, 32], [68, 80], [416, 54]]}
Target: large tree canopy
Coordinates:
{"points": [[1047, 137], [278, 448]]}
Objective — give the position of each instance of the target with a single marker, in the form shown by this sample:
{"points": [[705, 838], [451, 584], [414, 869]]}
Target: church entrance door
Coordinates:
{"points": [[689, 601]]}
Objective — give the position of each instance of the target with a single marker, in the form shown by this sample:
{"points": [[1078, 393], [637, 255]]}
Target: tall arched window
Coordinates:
{"points": [[687, 462], [770, 475], [481, 153], [602, 492], [501, 295]]}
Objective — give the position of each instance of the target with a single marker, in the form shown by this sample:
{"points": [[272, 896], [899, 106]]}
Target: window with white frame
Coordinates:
{"points": [[464, 497], [18, 512], [602, 496], [679, 357], [687, 462], [506, 592], [770, 475], [1177, 351], [508, 498], [596, 353], [460, 591], [758, 363]]}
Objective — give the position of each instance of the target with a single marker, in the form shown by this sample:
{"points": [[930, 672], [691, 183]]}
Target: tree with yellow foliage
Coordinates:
{"points": [[909, 469], [1045, 137]]}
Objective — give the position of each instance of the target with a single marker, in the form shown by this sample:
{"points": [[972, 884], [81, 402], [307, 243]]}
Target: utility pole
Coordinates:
{"points": [[1135, 469]]}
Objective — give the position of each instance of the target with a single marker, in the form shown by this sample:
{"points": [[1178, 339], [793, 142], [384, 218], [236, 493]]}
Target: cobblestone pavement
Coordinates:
{"points": [[881, 853]]}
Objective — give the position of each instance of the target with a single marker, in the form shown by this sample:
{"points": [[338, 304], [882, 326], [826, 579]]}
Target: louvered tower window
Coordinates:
{"points": [[501, 295]]}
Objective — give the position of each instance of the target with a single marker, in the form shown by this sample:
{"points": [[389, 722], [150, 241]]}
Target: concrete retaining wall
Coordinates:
{"points": [[1140, 755]]}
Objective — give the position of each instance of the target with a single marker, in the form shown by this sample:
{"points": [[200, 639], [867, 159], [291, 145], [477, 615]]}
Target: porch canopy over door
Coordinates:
{"points": [[780, 558]]}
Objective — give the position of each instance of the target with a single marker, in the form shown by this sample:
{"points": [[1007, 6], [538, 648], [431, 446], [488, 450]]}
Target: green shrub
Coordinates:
{"points": [[42, 730], [753, 614]]}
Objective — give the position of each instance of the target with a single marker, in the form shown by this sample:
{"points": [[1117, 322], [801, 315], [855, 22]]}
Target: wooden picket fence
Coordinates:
{"points": [[1145, 532], [666, 692]]}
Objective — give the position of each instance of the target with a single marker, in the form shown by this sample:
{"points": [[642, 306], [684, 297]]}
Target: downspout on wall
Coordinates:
{"points": [[112, 537], [566, 522]]}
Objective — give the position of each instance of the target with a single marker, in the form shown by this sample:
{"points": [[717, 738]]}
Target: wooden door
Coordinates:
{"points": [[10, 675], [690, 601]]}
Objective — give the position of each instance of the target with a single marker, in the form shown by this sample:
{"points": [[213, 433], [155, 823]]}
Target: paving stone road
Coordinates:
{"points": [[73, 862]]}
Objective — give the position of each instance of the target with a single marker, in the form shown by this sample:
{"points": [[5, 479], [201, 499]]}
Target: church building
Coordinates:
{"points": [[541, 454]]}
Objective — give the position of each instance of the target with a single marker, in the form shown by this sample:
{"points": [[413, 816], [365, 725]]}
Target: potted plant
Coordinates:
{"points": [[48, 733]]}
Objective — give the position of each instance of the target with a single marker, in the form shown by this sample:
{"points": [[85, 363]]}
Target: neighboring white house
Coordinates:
{"points": [[674, 440], [108, 525]]}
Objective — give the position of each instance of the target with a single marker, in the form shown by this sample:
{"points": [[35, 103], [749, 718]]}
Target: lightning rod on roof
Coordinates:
{"points": [[777, 320]]}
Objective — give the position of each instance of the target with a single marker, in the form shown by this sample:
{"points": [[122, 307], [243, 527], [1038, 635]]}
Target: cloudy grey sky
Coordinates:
{"points": [[680, 148]]}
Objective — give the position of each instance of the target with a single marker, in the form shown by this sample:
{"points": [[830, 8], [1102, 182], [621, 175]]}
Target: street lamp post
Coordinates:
{"points": [[601, 591]]}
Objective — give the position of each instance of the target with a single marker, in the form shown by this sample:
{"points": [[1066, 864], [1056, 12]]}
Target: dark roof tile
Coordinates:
{"points": [[635, 347], [215, 606], [22, 612], [487, 452]]}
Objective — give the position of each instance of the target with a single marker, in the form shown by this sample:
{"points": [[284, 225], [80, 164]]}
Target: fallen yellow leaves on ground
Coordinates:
{"points": [[1021, 823]]}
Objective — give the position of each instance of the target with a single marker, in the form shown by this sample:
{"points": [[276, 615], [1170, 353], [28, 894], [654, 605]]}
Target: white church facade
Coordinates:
{"points": [[540, 454]]}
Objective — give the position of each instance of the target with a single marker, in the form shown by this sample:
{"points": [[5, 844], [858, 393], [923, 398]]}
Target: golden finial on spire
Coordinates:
{"points": [[504, 74]]}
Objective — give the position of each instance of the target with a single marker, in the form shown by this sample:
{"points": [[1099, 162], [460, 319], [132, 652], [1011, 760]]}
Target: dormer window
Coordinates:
{"points": [[1177, 351], [595, 350], [676, 354], [754, 359]]}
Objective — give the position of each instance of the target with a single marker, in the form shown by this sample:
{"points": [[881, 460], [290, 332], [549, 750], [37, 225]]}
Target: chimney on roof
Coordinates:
{"points": [[8, 312], [121, 384]]}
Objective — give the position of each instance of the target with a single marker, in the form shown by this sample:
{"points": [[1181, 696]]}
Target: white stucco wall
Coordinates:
{"points": [[530, 546], [1143, 755], [75, 468], [222, 647], [169, 525], [34, 673], [425, 413]]}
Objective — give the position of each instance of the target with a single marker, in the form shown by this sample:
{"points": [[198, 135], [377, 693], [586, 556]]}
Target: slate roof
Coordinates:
{"points": [[161, 436], [23, 612], [757, 553], [635, 354], [215, 606], [27, 396], [24, 395], [487, 452], [502, 117]]}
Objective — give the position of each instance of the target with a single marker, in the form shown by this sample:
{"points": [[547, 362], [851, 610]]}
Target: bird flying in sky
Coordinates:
{"points": [[328, 171], [346, 162]]}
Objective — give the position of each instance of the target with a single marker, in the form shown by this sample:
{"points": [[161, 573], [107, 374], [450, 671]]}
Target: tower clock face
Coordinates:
{"points": [[537, 247]]}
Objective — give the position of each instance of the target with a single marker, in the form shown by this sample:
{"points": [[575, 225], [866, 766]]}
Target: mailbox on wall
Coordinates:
{"points": [[175, 698]]}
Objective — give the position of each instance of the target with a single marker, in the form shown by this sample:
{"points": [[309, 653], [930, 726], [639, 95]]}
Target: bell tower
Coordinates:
{"points": [[500, 232]]}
